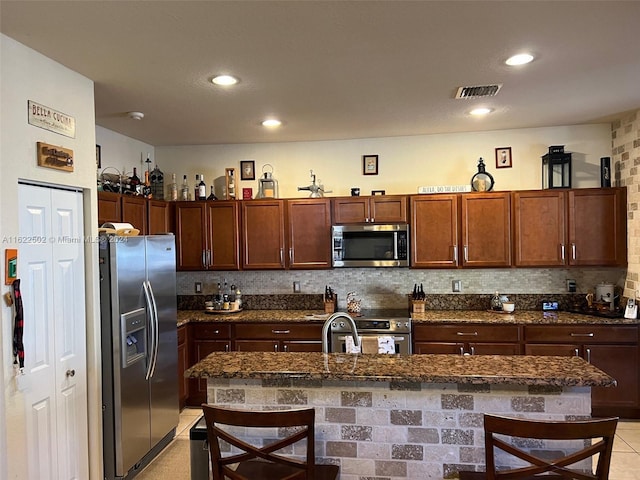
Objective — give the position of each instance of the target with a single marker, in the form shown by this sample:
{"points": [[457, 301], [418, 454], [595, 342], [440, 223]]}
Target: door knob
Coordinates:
{"points": [[70, 373]]}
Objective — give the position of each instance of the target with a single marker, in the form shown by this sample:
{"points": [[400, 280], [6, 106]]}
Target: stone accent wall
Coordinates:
{"points": [[625, 157], [400, 431]]}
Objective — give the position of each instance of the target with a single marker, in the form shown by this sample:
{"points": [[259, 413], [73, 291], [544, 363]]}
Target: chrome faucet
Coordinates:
{"points": [[327, 324]]}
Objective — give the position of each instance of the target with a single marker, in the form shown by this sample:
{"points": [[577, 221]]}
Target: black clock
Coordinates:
{"points": [[482, 181]]}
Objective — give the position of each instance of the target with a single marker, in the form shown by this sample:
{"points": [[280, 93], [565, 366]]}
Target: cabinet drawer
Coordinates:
{"points": [[182, 335], [466, 333], [211, 330], [582, 334], [278, 331]]}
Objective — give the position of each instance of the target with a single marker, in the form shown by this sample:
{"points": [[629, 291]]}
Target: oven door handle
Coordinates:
{"points": [[399, 339]]}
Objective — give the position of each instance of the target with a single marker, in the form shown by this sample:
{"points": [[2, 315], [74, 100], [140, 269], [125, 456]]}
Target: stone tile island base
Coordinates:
{"points": [[401, 430]]}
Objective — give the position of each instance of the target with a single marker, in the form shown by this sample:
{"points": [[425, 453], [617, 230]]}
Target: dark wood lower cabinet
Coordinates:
{"points": [[612, 348]]}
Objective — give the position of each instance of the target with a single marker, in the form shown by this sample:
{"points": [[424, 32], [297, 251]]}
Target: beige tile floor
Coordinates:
{"points": [[174, 461]]}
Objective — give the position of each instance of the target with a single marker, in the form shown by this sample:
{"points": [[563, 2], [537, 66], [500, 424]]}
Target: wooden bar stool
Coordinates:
{"points": [[539, 465], [264, 463]]}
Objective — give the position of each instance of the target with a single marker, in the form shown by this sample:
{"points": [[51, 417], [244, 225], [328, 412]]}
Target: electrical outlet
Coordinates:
{"points": [[296, 287], [456, 285], [198, 287], [571, 285]]}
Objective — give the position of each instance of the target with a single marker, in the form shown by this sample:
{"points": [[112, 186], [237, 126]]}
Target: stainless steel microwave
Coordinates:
{"points": [[370, 245]]}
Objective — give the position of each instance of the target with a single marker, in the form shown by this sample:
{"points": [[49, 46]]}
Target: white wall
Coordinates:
{"points": [[405, 163], [27, 75], [122, 153]]}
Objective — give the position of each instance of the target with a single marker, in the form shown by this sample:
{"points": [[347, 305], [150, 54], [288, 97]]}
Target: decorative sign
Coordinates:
{"points": [[10, 265], [52, 120], [445, 189], [51, 156]]}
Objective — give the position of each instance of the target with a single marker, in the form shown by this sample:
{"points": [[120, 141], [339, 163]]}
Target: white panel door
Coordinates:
{"points": [[51, 267]]}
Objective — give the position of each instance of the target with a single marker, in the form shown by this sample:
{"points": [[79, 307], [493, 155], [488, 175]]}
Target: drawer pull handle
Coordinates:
{"points": [[582, 335], [281, 332], [467, 334]]}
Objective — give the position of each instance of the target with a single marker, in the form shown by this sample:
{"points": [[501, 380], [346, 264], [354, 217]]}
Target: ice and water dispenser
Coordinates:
{"points": [[133, 336]]}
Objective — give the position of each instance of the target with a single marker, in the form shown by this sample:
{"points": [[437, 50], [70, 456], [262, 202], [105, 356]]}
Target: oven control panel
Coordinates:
{"points": [[374, 326]]}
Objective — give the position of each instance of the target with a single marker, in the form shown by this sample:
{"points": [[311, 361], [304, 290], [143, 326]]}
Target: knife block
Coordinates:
{"points": [[330, 303], [416, 306]]}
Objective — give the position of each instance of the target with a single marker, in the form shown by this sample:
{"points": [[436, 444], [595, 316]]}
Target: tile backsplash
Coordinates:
{"points": [[387, 287]]}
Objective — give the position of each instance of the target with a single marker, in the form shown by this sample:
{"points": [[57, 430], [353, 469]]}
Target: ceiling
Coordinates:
{"points": [[337, 69]]}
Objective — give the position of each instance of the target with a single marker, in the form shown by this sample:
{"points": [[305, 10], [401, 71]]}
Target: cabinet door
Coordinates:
{"points": [[159, 217], [351, 210], [486, 231], [494, 349], [263, 234], [620, 362], [309, 233], [257, 346], [183, 364], [539, 225], [134, 211], [109, 209], [191, 243], [388, 209], [223, 232], [438, 348], [202, 348], [434, 231], [598, 226]]}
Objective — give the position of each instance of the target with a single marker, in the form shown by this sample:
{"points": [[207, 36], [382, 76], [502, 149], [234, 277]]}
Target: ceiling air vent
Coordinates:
{"points": [[478, 91]]}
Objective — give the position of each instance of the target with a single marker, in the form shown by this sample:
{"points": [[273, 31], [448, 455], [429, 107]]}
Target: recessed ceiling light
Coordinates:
{"points": [[480, 111], [271, 122], [224, 80], [519, 59]]}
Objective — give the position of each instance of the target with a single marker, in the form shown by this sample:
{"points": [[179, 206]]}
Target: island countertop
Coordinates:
{"points": [[457, 369], [526, 317]]}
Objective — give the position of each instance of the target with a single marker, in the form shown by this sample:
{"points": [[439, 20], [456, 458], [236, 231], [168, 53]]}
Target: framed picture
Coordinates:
{"points": [[247, 170], [98, 156], [503, 157], [370, 164]]}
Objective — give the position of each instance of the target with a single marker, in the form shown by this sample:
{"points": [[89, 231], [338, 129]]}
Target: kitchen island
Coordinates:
{"points": [[401, 417]]}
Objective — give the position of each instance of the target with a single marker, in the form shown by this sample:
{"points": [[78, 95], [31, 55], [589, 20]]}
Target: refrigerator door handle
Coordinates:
{"points": [[157, 329], [153, 324]]}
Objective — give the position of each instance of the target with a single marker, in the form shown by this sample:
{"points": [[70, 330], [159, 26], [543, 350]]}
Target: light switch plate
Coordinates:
{"points": [[296, 287], [198, 287]]}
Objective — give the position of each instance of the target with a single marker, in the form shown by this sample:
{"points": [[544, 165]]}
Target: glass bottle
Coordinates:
{"points": [[202, 189], [173, 188], [184, 193], [232, 185], [212, 196], [146, 189], [496, 303], [134, 181], [196, 187]]}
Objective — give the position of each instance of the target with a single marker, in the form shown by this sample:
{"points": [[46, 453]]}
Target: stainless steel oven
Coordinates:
{"points": [[392, 331]]}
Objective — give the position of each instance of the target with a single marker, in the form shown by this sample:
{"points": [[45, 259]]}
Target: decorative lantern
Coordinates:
{"points": [[556, 168], [268, 186], [482, 181], [157, 183]]}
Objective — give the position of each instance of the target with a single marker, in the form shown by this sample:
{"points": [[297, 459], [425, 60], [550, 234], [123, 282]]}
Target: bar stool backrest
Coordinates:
{"points": [[600, 432]]}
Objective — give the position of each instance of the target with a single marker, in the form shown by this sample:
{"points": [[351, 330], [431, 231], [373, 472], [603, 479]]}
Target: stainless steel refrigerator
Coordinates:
{"points": [[139, 350]]}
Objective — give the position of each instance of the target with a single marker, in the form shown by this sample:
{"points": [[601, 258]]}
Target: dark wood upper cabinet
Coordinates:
{"points": [[309, 233], [434, 231], [134, 211], [109, 209], [208, 235], [540, 228], [263, 234], [160, 217], [374, 209], [598, 226], [486, 230]]}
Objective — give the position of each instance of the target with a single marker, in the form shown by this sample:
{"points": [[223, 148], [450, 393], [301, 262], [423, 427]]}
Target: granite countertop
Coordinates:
{"points": [[431, 316], [474, 369]]}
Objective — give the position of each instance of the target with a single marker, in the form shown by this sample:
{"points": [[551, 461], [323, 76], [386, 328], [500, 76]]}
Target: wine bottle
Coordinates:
{"points": [[232, 186], [202, 189], [134, 182], [174, 188], [196, 188], [146, 188], [212, 196], [184, 194]]}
